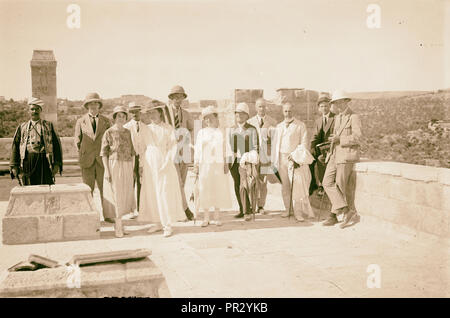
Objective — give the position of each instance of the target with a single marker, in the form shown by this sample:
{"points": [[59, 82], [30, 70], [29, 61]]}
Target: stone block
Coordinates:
{"points": [[248, 95], [402, 189], [419, 173], [445, 204], [81, 226], [376, 183], [20, 229], [141, 270], [50, 228], [444, 176], [102, 280], [360, 166], [428, 194], [102, 274], [389, 168]]}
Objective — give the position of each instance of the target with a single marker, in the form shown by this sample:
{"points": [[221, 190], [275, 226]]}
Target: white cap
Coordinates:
{"points": [[242, 108], [208, 111]]}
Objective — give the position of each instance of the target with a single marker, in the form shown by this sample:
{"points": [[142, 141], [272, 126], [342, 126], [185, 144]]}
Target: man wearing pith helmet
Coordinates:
{"points": [[344, 152], [89, 131], [181, 121], [36, 154]]}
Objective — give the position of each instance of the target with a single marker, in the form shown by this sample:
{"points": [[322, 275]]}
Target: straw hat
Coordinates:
{"points": [[133, 107], [209, 110], [92, 97], [339, 95], [177, 90], [35, 101], [242, 108], [323, 97]]}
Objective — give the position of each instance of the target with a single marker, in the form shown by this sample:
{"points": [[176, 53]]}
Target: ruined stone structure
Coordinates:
{"points": [[248, 96], [304, 102], [43, 82], [46, 213]]}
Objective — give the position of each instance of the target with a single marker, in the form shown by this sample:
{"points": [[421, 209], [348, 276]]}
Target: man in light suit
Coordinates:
{"points": [[264, 125], [89, 131], [134, 125], [323, 127], [344, 152], [290, 134], [181, 121], [242, 139]]}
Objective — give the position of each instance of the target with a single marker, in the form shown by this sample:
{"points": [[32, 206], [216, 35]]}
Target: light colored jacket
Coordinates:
{"points": [[296, 134], [347, 150]]}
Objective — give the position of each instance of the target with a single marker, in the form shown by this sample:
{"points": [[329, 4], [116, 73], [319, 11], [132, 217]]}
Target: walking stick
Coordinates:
{"points": [[320, 207], [292, 188]]}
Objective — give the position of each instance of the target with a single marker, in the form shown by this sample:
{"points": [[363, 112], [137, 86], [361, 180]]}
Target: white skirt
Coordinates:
{"points": [[118, 196]]}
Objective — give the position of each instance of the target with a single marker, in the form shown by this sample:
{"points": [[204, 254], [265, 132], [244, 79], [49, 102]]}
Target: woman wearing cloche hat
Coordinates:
{"points": [[117, 153], [209, 166]]}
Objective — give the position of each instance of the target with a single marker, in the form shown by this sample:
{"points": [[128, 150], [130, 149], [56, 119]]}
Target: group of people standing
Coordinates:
{"points": [[140, 163]]}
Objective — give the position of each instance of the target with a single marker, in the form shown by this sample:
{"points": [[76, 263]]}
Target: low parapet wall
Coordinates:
{"points": [[410, 195], [68, 145]]}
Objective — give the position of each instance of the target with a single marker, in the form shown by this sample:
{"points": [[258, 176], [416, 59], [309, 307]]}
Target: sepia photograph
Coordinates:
{"points": [[225, 153]]}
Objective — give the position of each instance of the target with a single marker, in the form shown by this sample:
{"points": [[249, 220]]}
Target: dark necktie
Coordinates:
{"points": [[137, 126], [94, 125], [324, 121], [177, 119], [262, 123]]}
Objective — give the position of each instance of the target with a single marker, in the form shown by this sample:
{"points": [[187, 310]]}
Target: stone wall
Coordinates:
{"points": [[68, 145], [410, 195]]}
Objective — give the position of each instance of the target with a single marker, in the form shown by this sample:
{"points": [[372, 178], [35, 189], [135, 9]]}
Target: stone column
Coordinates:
{"points": [[43, 82]]}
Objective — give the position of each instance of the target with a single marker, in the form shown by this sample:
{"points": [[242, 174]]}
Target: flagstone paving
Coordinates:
{"points": [[271, 256]]}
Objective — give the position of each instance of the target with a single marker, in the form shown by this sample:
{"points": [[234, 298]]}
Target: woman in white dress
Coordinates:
{"points": [[160, 185], [118, 159], [213, 182]]}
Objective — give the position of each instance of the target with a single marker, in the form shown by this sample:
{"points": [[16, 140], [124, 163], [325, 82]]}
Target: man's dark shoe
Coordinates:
{"points": [[320, 191], [189, 214], [348, 219], [109, 220], [239, 215], [331, 220]]}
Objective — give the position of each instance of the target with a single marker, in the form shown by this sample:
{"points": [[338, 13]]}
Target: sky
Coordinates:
{"points": [[211, 47]]}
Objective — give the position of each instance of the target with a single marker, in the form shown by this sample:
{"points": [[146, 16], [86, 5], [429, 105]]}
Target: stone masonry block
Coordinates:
{"points": [[81, 226], [142, 270], [402, 189], [419, 173], [20, 229], [428, 194], [446, 199], [50, 228], [102, 274], [444, 176]]}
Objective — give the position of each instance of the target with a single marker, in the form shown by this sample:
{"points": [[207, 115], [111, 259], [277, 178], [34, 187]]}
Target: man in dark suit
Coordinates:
{"points": [[243, 139], [323, 127], [89, 131]]}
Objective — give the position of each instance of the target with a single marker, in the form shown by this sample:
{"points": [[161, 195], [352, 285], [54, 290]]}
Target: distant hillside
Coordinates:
{"points": [[386, 94]]}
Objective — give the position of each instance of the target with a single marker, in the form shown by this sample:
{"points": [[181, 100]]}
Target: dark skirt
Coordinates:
{"points": [[36, 169]]}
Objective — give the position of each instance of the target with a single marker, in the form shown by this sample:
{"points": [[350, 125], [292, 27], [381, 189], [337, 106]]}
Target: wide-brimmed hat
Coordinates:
{"points": [[242, 108], [339, 95], [150, 106], [209, 110], [92, 97], [35, 101], [323, 97], [132, 106], [120, 109], [177, 90]]}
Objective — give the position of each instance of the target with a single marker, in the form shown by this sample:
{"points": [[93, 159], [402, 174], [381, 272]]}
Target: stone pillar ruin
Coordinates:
{"points": [[248, 96], [304, 102], [43, 82]]}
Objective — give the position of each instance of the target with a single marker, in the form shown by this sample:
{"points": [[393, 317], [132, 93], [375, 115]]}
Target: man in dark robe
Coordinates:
{"points": [[36, 154]]}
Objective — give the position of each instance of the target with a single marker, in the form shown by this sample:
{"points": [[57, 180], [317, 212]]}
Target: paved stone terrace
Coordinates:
{"points": [[270, 257]]}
